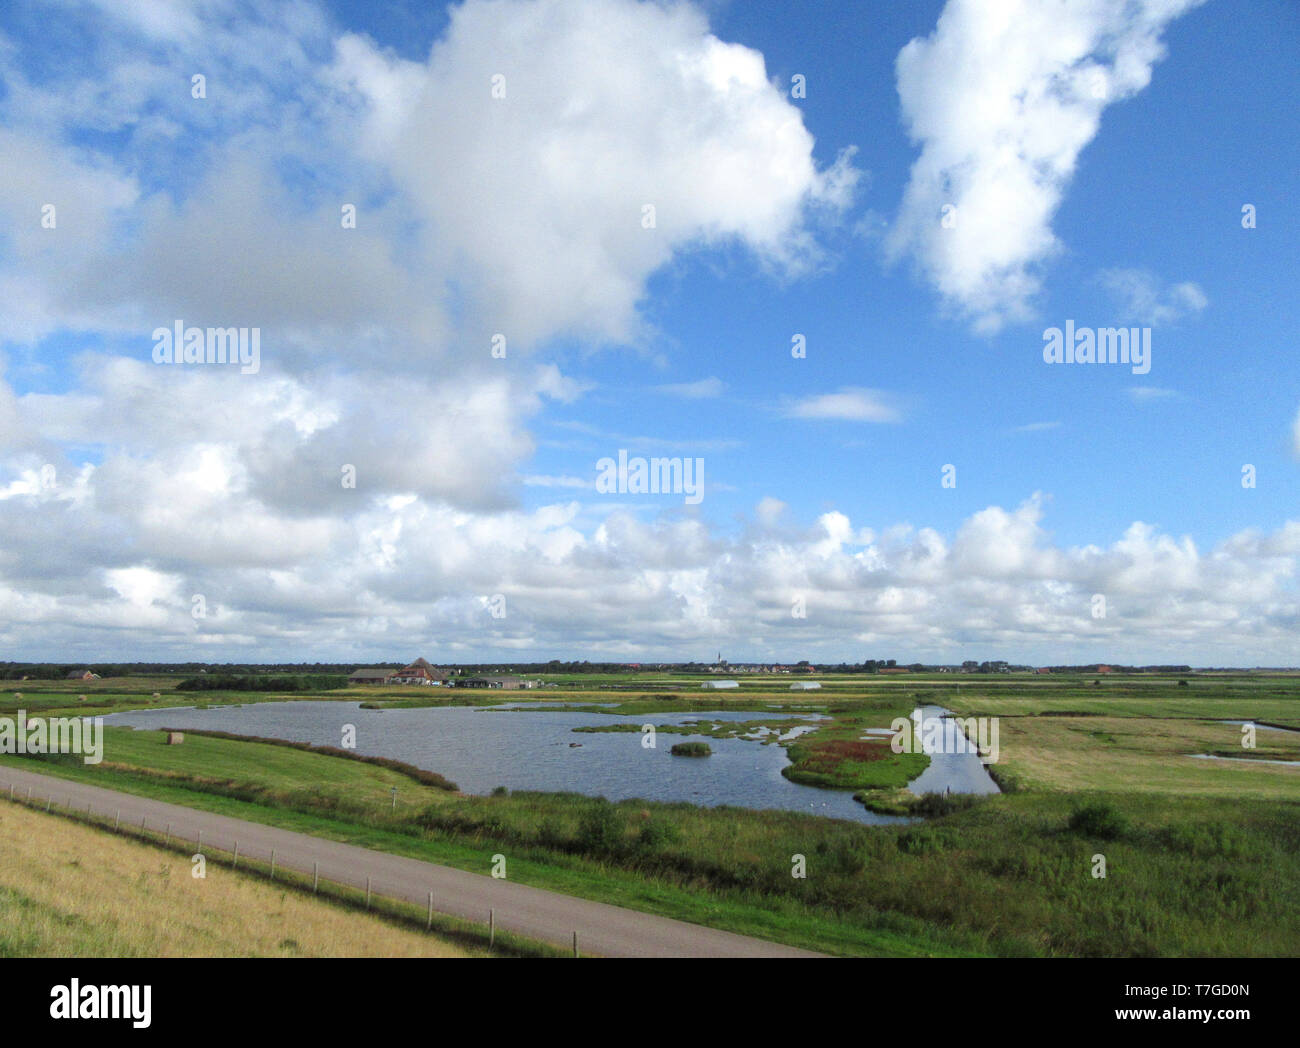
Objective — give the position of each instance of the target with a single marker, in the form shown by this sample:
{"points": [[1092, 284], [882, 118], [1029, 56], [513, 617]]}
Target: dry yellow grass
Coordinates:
{"points": [[1148, 755], [68, 890]]}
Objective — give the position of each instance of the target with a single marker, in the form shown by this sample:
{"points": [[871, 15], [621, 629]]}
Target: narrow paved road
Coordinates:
{"points": [[609, 931]]}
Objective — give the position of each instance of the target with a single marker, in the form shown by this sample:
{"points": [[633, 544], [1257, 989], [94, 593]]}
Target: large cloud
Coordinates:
{"points": [[1002, 97], [406, 574], [212, 212], [609, 107]]}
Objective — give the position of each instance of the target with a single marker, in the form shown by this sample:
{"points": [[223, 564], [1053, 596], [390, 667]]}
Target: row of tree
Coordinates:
{"points": [[264, 682]]}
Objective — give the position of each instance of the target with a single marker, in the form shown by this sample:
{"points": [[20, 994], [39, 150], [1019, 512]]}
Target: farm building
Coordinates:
{"points": [[805, 685], [505, 681], [715, 684], [82, 675], [370, 676], [418, 672]]}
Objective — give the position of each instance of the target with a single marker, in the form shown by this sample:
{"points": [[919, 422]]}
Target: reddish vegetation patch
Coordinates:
{"points": [[824, 756]]}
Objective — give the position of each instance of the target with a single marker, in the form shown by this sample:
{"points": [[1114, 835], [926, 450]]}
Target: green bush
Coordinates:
{"points": [[920, 842], [601, 830], [930, 804], [657, 834], [1099, 820], [691, 749]]}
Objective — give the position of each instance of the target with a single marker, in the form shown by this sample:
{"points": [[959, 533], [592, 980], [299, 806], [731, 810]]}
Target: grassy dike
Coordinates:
{"points": [[72, 885], [1009, 875]]}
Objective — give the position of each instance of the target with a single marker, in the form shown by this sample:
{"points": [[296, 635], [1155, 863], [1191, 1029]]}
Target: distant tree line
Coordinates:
{"points": [[1115, 667], [263, 682], [59, 670], [23, 670]]}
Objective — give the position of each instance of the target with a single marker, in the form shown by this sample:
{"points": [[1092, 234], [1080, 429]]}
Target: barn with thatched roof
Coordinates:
{"points": [[418, 672]]}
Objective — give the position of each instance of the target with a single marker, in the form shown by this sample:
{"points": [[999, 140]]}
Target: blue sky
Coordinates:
{"points": [[1160, 189], [1106, 175]]}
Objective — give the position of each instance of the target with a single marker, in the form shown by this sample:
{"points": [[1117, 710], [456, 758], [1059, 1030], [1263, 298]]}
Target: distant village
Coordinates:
{"points": [[420, 672]]}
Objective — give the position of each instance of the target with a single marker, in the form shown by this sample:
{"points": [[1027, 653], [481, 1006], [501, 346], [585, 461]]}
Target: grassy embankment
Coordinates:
{"points": [[1203, 856], [71, 890]]}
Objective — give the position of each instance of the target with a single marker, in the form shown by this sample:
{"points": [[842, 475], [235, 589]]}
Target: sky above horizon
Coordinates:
{"points": [[810, 254]]}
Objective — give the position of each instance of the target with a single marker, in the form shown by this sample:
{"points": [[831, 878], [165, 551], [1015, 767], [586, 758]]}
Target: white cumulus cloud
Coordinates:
{"points": [[602, 110], [1001, 98]]}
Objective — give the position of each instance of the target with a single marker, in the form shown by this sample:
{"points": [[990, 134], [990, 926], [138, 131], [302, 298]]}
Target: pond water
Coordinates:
{"points": [[1263, 727], [961, 771], [1248, 760], [481, 748]]}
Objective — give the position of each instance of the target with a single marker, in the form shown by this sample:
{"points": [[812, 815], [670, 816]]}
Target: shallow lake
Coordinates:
{"points": [[481, 748]]}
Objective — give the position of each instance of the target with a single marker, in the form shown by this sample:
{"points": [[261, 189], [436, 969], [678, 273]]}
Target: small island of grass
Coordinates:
{"points": [[691, 749]]}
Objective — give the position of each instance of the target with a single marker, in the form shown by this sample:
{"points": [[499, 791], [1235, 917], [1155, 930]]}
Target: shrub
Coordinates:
{"points": [[550, 834], [657, 834], [919, 842], [600, 832], [1099, 820], [931, 804]]}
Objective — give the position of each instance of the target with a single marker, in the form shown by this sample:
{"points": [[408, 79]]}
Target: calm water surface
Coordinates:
{"points": [[479, 749], [961, 772]]}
